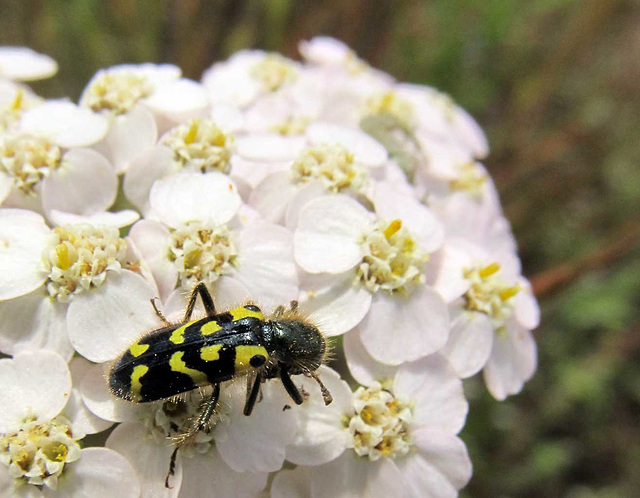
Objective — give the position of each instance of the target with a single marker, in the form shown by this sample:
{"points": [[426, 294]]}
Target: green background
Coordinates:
{"points": [[555, 84]]}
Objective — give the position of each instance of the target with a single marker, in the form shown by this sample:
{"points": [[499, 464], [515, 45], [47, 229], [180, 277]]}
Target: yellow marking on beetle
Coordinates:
{"points": [[245, 353], [177, 337], [136, 385], [178, 365], [137, 349], [210, 353], [210, 328], [242, 312]]}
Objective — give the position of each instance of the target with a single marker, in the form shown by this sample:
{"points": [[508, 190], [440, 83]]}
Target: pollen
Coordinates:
{"points": [[333, 165], [116, 90], [28, 160], [273, 72], [488, 293], [77, 258], [380, 425], [38, 451], [200, 144], [471, 179], [393, 261], [391, 103], [293, 125], [11, 113], [202, 253]]}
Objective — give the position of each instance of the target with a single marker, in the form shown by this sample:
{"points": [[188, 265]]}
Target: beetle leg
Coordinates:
{"points": [[288, 384], [252, 394], [157, 310], [207, 300]]}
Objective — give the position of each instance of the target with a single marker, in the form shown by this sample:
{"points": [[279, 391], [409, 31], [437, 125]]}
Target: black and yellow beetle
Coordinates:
{"points": [[194, 353]]}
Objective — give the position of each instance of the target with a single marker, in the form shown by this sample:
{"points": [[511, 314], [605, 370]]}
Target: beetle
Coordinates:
{"points": [[180, 357]]}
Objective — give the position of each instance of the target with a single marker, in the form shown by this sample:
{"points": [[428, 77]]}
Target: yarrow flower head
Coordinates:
{"points": [[200, 145], [333, 165], [324, 188], [40, 433], [79, 256]]}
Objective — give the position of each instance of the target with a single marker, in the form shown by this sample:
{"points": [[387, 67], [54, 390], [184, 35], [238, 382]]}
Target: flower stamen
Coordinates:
{"points": [[393, 260], [200, 144], [333, 165], [78, 257], [28, 160]]}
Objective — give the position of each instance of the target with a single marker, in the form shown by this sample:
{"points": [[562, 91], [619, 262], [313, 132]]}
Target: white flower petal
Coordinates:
{"points": [[271, 196], [6, 184], [23, 235], [204, 472], [366, 150], [149, 459], [34, 321], [362, 366], [423, 479], [470, 342], [393, 203], [227, 117], [353, 477], [129, 135], [321, 436], [308, 192], [23, 64], [513, 361], [470, 133], [333, 302], [211, 198], [447, 453], [83, 421], [436, 392], [526, 309], [294, 483], [152, 240], [99, 400], [118, 219], [399, 329], [85, 184], [65, 124], [99, 472], [324, 50], [326, 239], [149, 166], [33, 383], [448, 266], [256, 443], [265, 264], [106, 320], [270, 147], [178, 101]]}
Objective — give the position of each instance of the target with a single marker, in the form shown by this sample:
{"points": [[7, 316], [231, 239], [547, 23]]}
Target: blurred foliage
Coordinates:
{"points": [[555, 85]]}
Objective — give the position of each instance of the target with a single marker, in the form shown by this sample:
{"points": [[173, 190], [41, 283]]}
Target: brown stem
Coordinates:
{"points": [[557, 278]]}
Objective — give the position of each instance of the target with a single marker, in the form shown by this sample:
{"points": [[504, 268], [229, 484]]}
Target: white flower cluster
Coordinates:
{"points": [[323, 181]]}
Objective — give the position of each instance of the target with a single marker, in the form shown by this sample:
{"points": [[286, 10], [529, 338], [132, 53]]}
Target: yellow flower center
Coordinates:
{"points": [[38, 452], [380, 426], [28, 160], [200, 144], [393, 260], [273, 71], [331, 164], [489, 294], [78, 257], [117, 90], [201, 252]]}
